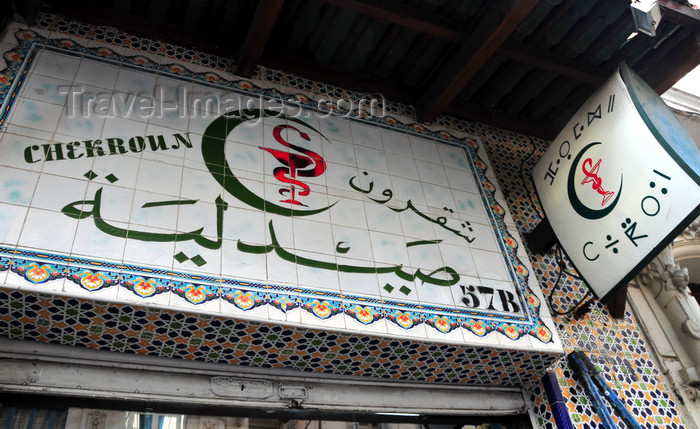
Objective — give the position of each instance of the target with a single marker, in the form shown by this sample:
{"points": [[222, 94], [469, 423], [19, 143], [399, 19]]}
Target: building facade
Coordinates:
{"points": [[177, 237]]}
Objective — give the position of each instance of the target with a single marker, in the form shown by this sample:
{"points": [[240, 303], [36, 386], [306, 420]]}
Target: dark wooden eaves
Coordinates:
{"points": [[256, 38], [482, 44]]}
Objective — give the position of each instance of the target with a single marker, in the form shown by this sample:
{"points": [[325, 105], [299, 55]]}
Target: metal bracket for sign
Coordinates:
{"points": [[616, 305], [542, 238]]}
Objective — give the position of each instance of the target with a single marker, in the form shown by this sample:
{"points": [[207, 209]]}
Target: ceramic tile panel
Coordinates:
{"points": [[122, 174]]}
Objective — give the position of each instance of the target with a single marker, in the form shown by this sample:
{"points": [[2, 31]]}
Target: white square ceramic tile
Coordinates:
{"points": [[17, 186], [453, 156], [94, 243], [136, 82], [318, 278], [431, 173], [22, 151], [47, 230], [425, 150], [205, 100], [349, 213], [254, 186], [244, 157], [389, 248], [126, 105], [405, 190], [122, 128], [169, 116], [402, 166], [55, 192], [85, 101], [338, 179], [200, 220], [311, 236], [424, 256], [459, 259], [46, 89], [353, 245], [393, 288], [396, 143], [91, 72], [371, 185], [415, 225], [370, 159], [281, 271], [489, 265], [56, 65], [469, 206], [339, 152], [35, 114], [237, 264], [381, 218], [335, 128], [82, 127], [11, 220], [365, 135], [438, 197], [154, 212], [359, 284], [150, 254], [202, 260], [461, 180], [159, 177]]}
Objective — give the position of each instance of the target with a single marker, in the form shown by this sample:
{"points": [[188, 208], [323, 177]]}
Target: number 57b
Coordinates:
{"points": [[489, 298]]}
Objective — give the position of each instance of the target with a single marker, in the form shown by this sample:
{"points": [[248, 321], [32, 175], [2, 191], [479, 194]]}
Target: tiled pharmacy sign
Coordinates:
{"points": [[128, 181]]}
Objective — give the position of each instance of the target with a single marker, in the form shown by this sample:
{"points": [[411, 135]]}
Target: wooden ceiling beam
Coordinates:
{"points": [[256, 38], [404, 16], [476, 50], [544, 60], [680, 13]]}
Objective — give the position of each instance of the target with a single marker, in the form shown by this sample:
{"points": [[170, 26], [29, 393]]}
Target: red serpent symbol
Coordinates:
{"points": [[597, 182], [295, 165]]}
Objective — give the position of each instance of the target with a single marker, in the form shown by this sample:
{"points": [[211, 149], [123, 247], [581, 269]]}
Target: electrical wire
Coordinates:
{"points": [[561, 263], [559, 257]]}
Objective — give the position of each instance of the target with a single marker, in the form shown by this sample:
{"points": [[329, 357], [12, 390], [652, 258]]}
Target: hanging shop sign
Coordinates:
{"points": [[620, 181]]}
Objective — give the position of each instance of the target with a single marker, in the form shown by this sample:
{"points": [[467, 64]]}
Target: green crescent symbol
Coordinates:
{"points": [[573, 198], [213, 153]]}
